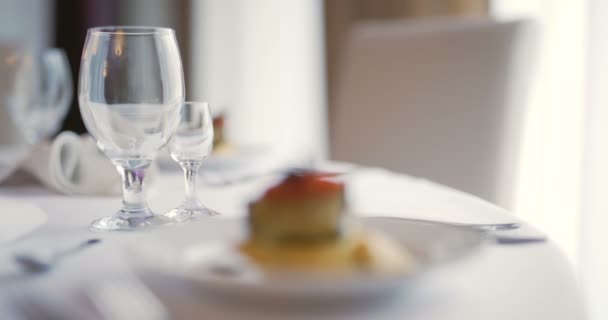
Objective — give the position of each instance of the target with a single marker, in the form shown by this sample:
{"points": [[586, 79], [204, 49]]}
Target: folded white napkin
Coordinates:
{"points": [[73, 165]]}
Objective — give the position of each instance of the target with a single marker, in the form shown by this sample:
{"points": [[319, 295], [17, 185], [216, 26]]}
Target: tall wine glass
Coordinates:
{"points": [[190, 145], [131, 92]]}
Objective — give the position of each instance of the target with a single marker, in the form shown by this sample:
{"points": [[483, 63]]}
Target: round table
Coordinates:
{"points": [[525, 281]]}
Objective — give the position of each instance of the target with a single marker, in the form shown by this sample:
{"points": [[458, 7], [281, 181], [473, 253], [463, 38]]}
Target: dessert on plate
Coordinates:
{"points": [[301, 224]]}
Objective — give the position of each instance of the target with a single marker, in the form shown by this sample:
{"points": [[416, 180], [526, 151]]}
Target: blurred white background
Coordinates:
{"points": [[564, 172], [263, 62], [37, 32]]}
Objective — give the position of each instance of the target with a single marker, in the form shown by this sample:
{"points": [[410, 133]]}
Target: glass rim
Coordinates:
{"points": [[130, 30]]}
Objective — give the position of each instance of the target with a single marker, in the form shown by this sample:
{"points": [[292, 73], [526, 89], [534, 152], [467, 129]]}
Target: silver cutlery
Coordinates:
{"points": [[33, 263], [510, 233]]}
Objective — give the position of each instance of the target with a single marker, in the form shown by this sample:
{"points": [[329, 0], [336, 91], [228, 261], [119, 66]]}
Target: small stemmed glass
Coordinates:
{"points": [[190, 145]]}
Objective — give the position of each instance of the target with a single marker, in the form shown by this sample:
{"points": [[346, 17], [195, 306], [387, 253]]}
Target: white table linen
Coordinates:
{"points": [[531, 281], [18, 218]]}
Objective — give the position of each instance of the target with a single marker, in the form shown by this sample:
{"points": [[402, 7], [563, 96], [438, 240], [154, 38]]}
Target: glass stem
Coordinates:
{"points": [[133, 195], [191, 172]]}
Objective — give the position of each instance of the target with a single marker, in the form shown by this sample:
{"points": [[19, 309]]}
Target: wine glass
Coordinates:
{"points": [[43, 94], [36, 88], [131, 92], [190, 145]]}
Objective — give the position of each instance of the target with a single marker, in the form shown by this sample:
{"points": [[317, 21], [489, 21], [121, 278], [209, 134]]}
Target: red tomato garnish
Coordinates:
{"points": [[218, 121], [304, 186]]}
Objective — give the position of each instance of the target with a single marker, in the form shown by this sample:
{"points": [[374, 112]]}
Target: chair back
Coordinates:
{"points": [[441, 99]]}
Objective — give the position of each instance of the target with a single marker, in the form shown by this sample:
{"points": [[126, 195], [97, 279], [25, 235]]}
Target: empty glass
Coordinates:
{"points": [[190, 145], [44, 94], [36, 92], [131, 92]]}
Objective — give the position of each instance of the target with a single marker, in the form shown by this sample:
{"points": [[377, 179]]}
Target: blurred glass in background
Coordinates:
{"points": [[35, 95]]}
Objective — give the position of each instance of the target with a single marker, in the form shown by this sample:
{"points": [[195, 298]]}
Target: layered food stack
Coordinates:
{"points": [[302, 224]]}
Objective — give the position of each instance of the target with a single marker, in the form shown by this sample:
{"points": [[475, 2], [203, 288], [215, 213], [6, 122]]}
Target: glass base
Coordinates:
{"points": [[122, 223], [183, 214]]}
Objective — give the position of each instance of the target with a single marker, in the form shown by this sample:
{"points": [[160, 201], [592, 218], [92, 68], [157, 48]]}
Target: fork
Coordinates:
{"points": [[501, 233]]}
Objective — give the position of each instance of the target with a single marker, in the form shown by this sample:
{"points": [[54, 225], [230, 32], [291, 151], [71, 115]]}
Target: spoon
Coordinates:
{"points": [[34, 264]]}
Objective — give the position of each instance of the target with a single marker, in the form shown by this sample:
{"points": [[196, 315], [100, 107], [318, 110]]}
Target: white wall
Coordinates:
{"points": [[594, 238], [30, 21], [549, 182], [263, 61]]}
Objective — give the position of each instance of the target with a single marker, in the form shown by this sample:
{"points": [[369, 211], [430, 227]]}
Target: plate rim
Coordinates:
{"points": [[268, 285]]}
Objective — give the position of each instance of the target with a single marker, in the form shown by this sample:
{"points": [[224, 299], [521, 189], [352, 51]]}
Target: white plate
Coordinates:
{"points": [[202, 253]]}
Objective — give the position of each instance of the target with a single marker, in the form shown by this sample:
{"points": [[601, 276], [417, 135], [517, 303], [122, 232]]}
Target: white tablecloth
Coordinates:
{"points": [[531, 281]]}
